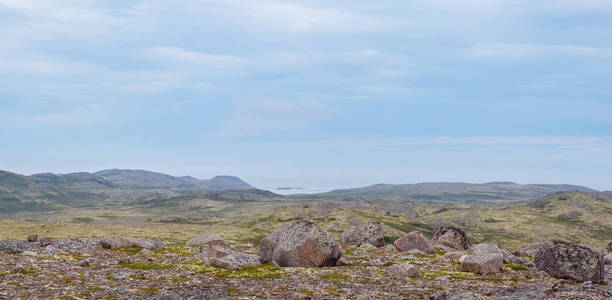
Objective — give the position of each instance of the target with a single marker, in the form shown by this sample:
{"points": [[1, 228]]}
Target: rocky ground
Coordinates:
{"points": [[84, 269]]}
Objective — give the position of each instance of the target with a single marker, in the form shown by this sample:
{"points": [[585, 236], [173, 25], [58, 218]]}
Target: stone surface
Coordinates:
{"points": [[570, 261], [608, 258], [414, 240], [357, 235], [121, 242], [486, 248], [483, 263], [402, 270], [454, 255], [229, 259], [301, 243], [452, 237], [207, 239], [529, 249]]}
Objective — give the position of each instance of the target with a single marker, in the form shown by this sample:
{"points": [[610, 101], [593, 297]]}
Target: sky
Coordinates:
{"points": [[322, 94]]}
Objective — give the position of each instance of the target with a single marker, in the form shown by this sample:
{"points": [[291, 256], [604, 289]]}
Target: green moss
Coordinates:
{"points": [[306, 292], [138, 265]]}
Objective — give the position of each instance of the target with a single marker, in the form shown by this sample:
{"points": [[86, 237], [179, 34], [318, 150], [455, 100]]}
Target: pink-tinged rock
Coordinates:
{"points": [[402, 270], [483, 263], [297, 244], [452, 237], [414, 240], [357, 235]]}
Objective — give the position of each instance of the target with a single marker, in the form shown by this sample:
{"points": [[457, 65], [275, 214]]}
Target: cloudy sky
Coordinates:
{"points": [[310, 93]]}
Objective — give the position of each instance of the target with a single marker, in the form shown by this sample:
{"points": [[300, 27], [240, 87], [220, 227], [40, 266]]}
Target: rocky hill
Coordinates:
{"points": [[486, 193], [148, 179]]}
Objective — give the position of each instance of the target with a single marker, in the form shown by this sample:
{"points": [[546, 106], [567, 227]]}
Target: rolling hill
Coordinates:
{"points": [[148, 179], [486, 193]]}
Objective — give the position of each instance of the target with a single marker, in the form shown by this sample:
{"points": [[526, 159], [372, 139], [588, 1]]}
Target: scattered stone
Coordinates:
{"points": [[529, 249], [29, 253], [414, 240], [146, 251], [367, 246], [229, 259], [18, 268], [124, 261], [301, 243], [32, 238], [483, 263], [402, 270], [416, 252], [452, 237], [570, 261], [121, 242], [208, 239], [84, 263], [357, 235], [375, 262], [44, 242]]}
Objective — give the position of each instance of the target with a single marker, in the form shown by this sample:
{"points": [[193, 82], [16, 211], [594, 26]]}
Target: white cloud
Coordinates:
{"points": [[514, 50]]}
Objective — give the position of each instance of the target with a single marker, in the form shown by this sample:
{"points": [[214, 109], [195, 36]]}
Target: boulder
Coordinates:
{"points": [[453, 255], [566, 260], [609, 248], [32, 238], [414, 240], [482, 263], [121, 242], [402, 270], [207, 239], [452, 237], [529, 249], [486, 248], [357, 235], [608, 258], [301, 243], [226, 258]]}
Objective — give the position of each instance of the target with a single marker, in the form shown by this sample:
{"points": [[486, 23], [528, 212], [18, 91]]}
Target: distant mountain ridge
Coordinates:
{"points": [[149, 179], [48, 191], [492, 192]]}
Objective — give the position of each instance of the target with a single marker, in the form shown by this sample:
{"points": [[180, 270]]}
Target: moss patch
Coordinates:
{"points": [[139, 265]]}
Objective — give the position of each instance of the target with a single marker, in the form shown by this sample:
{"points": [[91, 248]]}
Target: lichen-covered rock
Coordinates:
{"points": [[207, 239], [609, 248], [357, 235], [226, 258], [32, 238], [529, 249], [608, 258], [486, 248], [570, 261], [414, 240], [402, 270], [301, 243], [483, 263], [121, 242], [454, 255], [452, 237]]}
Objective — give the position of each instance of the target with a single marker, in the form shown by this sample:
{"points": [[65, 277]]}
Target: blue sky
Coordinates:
{"points": [[310, 93]]}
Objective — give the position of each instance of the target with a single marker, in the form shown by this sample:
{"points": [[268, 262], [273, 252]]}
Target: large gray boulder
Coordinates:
{"points": [[121, 242], [207, 239], [414, 240], [566, 260], [486, 248], [402, 270], [452, 237], [529, 249], [371, 233], [482, 263], [609, 248], [226, 258], [301, 243]]}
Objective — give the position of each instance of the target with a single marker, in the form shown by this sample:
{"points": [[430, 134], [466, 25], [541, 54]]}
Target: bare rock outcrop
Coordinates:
{"points": [[483, 263], [121, 242], [414, 240], [207, 239], [452, 237], [357, 235], [226, 258], [566, 260], [301, 243]]}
